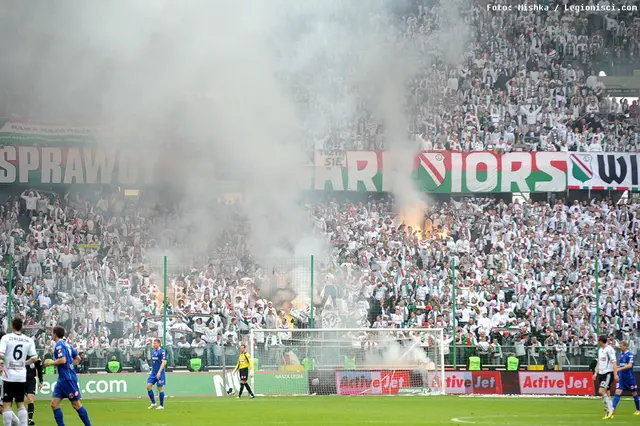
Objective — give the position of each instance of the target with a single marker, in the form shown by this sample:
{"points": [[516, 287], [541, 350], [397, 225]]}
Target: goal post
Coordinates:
{"points": [[354, 361]]}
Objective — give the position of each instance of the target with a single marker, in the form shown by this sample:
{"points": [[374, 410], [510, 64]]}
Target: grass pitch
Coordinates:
{"points": [[347, 411]]}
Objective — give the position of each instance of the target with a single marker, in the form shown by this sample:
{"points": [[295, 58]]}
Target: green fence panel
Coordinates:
{"points": [[286, 382], [180, 384]]}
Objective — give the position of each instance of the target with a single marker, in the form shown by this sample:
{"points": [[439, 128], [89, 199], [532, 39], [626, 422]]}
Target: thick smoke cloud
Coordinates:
{"points": [[226, 80]]}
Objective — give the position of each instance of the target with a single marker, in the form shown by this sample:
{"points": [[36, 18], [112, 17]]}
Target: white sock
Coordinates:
{"points": [[7, 417], [14, 419], [23, 416], [609, 404]]}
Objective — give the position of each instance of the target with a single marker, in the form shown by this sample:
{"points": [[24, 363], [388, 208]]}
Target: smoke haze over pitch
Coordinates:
{"points": [[225, 80]]}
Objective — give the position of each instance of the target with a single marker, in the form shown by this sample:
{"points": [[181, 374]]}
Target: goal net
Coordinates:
{"points": [[347, 361]]}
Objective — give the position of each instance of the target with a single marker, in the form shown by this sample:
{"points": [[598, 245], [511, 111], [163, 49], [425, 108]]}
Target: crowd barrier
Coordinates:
{"points": [[332, 382]]}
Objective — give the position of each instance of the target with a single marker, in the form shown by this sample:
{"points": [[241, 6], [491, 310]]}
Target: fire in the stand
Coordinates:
{"points": [[414, 216]]}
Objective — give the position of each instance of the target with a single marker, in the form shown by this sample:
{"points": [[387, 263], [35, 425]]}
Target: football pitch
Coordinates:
{"points": [[344, 410]]}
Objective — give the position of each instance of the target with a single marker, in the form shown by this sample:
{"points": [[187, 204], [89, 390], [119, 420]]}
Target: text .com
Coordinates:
{"points": [[92, 387]]}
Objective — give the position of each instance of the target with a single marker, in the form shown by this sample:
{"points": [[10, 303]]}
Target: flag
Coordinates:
{"points": [[433, 164], [581, 167]]}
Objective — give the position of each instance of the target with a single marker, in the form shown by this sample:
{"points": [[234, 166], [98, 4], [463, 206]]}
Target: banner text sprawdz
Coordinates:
{"points": [[72, 165], [443, 171]]}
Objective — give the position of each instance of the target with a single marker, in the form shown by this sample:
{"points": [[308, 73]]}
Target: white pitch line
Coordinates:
{"points": [[459, 420]]}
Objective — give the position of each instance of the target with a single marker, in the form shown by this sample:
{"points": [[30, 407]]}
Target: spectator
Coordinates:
{"points": [[195, 363], [140, 365], [113, 366]]}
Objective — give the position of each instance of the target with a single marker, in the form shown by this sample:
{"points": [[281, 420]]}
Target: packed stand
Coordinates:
{"points": [[526, 277], [529, 82], [526, 271], [92, 262]]}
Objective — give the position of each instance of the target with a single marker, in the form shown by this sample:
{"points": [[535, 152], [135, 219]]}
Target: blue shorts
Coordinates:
{"points": [[626, 384], [153, 380], [67, 389]]}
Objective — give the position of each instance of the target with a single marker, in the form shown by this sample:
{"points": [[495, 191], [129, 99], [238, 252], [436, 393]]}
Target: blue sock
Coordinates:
{"points": [[161, 395], [637, 401], [616, 399], [84, 416], [57, 414], [151, 396]]}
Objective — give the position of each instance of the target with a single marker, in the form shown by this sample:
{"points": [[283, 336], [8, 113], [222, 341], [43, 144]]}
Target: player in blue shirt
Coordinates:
{"points": [[67, 386], [626, 378], [157, 377]]}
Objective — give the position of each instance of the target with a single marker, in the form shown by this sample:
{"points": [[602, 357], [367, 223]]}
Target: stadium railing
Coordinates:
{"points": [[289, 284], [577, 358], [550, 357]]}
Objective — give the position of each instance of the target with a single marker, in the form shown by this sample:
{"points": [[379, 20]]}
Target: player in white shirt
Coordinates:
{"points": [[14, 420], [17, 351], [605, 368]]}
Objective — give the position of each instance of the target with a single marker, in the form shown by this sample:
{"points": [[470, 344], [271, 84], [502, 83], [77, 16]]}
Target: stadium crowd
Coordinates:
{"points": [[526, 275], [526, 270], [528, 83]]}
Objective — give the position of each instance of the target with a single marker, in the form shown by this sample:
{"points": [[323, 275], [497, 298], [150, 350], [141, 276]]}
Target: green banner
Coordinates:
{"points": [[442, 171], [133, 385], [282, 383], [73, 165], [181, 384], [38, 154], [31, 133]]}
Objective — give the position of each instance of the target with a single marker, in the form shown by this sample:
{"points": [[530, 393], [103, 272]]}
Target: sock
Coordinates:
{"points": [[23, 416], [604, 401], [15, 421], [57, 414], [161, 395], [84, 416], [152, 397], [248, 388], [607, 401], [7, 417], [31, 408], [616, 399], [241, 389], [637, 402]]}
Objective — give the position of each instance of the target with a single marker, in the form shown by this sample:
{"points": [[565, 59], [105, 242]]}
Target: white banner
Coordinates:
{"points": [[603, 170], [20, 131]]}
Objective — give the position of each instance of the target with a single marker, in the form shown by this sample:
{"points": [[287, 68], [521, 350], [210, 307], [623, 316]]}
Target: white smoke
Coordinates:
{"points": [[413, 351], [225, 81]]}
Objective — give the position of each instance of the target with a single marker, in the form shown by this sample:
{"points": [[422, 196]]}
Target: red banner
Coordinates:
{"points": [[473, 382], [371, 382], [556, 383]]}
